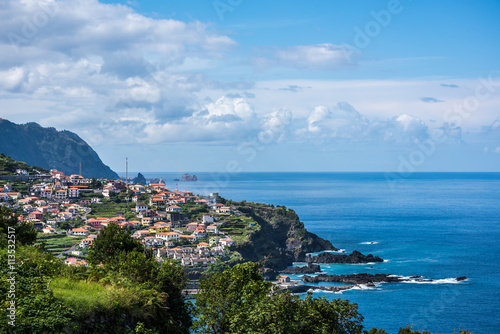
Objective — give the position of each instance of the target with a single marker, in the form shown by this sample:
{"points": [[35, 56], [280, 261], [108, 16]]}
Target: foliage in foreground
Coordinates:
{"points": [[238, 300]]}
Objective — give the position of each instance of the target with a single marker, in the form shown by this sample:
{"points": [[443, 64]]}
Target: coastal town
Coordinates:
{"points": [[193, 230]]}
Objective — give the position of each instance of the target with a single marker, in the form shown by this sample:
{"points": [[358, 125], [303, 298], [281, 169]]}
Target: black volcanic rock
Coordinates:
{"points": [[353, 258], [367, 279], [353, 279], [49, 148], [188, 177], [309, 269]]}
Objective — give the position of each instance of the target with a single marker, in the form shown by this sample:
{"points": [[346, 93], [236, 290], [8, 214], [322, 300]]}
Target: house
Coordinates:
{"points": [[14, 195], [159, 228], [174, 208], [61, 194], [86, 242], [46, 193], [213, 229], [139, 207], [48, 230], [191, 227], [74, 192], [95, 200], [202, 245], [191, 238], [200, 232], [135, 223], [226, 242], [79, 263], [152, 242], [140, 234], [70, 260], [224, 210], [168, 236], [216, 206], [35, 215], [79, 232], [207, 219], [146, 221], [284, 279]]}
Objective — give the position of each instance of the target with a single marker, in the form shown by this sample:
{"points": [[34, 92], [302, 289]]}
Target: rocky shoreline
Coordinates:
{"points": [[355, 280], [309, 269], [354, 258], [368, 279]]}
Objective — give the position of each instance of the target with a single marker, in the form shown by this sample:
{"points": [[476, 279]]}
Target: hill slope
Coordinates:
{"points": [[49, 148], [281, 239], [8, 166]]}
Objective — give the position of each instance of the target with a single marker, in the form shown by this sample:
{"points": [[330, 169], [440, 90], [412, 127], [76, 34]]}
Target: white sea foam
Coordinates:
{"points": [[319, 290], [438, 281], [369, 243]]}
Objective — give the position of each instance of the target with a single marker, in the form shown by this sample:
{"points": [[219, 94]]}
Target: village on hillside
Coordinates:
{"points": [[68, 211]]}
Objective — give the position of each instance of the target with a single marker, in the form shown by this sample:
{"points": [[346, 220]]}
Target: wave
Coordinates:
{"points": [[422, 280], [437, 281], [369, 243]]}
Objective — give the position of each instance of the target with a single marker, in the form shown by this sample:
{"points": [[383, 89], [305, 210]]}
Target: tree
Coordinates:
{"points": [[225, 296], [111, 241], [239, 301], [23, 232], [139, 179]]}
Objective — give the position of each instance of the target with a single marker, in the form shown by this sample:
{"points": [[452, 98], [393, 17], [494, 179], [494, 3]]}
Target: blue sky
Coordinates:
{"points": [[260, 86]]}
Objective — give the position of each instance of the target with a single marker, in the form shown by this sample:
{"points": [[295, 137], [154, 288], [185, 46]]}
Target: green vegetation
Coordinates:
{"points": [[124, 290], [24, 234], [8, 166], [239, 301], [57, 243]]}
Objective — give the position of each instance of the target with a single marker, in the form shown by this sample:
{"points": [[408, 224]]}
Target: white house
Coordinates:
{"points": [[168, 236], [139, 207], [213, 229], [174, 208], [79, 232]]}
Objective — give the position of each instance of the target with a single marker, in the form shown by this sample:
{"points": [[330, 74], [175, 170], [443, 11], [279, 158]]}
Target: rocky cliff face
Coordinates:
{"points": [[281, 240], [49, 148]]}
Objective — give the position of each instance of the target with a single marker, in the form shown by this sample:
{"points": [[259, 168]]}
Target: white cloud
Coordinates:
{"points": [[316, 56], [344, 122]]}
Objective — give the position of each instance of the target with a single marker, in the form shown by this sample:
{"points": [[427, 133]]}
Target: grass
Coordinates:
{"points": [[56, 243], [92, 298], [81, 296]]}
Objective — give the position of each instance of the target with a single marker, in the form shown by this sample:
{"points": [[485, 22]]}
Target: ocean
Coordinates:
{"points": [[437, 225]]}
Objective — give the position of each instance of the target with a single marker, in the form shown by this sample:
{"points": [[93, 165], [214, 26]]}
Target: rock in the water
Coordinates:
{"points": [[353, 258], [353, 279], [188, 177], [309, 269]]}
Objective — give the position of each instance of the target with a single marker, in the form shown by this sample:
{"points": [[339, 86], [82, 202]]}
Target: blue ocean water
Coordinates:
{"points": [[438, 225]]}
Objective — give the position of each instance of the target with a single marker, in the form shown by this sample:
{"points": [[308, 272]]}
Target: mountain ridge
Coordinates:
{"points": [[51, 149]]}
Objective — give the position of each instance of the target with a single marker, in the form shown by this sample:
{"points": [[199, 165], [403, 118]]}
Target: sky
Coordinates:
{"points": [[242, 86]]}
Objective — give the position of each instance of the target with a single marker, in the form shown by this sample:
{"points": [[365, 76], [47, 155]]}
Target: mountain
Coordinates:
{"points": [[49, 148]]}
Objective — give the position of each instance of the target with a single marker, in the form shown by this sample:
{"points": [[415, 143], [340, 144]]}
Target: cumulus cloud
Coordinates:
{"points": [[344, 122]]}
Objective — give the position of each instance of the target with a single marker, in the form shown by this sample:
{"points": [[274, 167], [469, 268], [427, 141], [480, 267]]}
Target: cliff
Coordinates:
{"points": [[49, 148], [281, 239]]}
